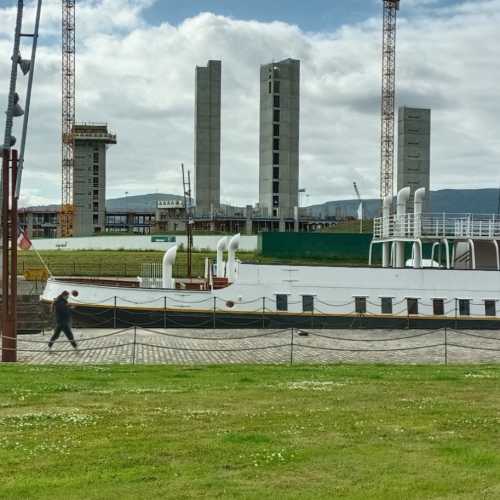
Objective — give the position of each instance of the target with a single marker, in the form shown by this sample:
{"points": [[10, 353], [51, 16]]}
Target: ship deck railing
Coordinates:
{"points": [[437, 226]]}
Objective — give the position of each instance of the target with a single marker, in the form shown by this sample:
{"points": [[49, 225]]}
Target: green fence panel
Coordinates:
{"points": [[338, 246]]}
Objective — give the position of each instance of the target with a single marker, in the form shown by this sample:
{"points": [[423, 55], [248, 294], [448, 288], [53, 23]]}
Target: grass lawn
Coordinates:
{"points": [[250, 432], [128, 263]]}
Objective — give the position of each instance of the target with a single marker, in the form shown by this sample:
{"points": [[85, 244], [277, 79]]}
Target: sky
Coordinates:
{"points": [[135, 71]]}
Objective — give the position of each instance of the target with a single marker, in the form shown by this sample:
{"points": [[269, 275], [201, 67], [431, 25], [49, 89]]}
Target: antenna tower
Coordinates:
{"points": [[186, 188], [388, 97], [68, 116]]}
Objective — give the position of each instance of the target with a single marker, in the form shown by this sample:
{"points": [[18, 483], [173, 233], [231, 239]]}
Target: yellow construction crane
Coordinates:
{"points": [[391, 8], [68, 117]]}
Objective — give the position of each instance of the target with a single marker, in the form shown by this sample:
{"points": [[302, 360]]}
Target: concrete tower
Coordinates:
{"points": [[279, 137], [89, 178], [414, 151], [207, 137]]}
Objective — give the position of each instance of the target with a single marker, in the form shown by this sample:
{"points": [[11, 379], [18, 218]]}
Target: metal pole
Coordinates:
{"points": [[114, 313], [28, 99], [215, 308], [263, 312], [13, 258], [291, 349], [5, 240], [446, 346], [135, 341], [165, 312]]}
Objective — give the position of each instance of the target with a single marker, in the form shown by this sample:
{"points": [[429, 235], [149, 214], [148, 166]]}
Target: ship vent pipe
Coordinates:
{"points": [[168, 264], [418, 210], [233, 245], [403, 197], [221, 247], [386, 229]]}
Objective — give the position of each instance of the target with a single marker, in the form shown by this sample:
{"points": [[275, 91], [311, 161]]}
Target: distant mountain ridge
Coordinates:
{"points": [[445, 200]]}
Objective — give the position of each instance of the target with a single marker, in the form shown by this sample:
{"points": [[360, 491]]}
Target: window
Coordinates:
{"points": [[276, 172], [277, 86], [276, 201], [276, 187], [276, 144], [464, 307], [96, 219], [307, 303], [276, 130], [360, 304], [438, 307], [276, 115], [490, 307], [275, 212], [412, 306], [96, 157], [276, 158], [270, 87], [281, 302], [386, 305], [276, 101]]}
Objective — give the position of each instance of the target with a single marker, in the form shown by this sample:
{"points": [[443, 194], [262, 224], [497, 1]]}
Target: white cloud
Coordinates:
{"points": [[140, 79]]}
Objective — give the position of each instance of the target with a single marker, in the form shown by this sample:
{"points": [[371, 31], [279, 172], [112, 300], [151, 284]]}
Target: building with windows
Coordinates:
{"points": [[279, 138], [89, 177], [207, 147], [414, 151]]}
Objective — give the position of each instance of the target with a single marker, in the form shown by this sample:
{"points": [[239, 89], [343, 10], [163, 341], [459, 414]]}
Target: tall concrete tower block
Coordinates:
{"points": [[207, 147], [89, 177], [414, 151], [279, 137]]}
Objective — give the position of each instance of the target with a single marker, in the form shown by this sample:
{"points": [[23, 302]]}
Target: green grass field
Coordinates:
{"points": [[128, 263], [250, 432]]}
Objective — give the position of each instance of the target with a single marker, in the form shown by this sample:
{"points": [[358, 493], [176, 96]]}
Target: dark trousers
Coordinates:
{"points": [[66, 329]]}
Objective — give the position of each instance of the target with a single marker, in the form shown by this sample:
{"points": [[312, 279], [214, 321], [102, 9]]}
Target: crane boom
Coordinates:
{"points": [[388, 97], [68, 116], [357, 191]]}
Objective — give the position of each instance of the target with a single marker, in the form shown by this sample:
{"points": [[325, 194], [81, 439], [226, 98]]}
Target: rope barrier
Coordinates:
{"points": [[262, 335], [170, 348], [342, 339], [369, 350]]}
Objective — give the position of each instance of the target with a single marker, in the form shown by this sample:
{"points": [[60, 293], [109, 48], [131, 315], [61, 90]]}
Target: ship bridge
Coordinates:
{"points": [[469, 241]]}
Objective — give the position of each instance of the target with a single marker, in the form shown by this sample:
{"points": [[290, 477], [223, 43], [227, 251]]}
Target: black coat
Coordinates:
{"points": [[62, 311]]}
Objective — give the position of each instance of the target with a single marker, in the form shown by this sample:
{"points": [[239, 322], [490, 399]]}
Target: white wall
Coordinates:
{"points": [[247, 243]]}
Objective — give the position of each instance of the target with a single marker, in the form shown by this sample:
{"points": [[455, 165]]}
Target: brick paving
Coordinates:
{"points": [[262, 346]]}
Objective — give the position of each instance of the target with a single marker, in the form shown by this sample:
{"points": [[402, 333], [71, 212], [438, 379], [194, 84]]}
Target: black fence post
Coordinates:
{"points": [[165, 312], [446, 346], [214, 312], [114, 313], [134, 346], [263, 312], [291, 349]]}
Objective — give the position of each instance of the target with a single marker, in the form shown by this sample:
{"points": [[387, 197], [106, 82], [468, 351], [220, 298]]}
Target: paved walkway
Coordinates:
{"points": [[264, 346]]}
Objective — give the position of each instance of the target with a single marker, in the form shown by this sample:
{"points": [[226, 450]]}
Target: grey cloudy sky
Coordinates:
{"points": [[136, 72]]}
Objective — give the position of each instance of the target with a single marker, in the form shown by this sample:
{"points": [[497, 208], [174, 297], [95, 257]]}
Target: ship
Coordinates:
{"points": [[458, 286]]}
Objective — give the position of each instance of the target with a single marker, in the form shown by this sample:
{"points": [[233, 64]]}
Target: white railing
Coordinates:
{"points": [[151, 275], [435, 225]]}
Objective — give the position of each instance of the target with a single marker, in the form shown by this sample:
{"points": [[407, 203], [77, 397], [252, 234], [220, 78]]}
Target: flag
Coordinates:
{"points": [[23, 242]]}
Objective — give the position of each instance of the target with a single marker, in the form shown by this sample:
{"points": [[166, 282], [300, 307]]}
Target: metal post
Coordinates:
{"points": [[9, 257], [263, 312], [5, 250], [215, 309], [165, 312], [446, 346], [291, 349], [114, 313], [135, 343]]}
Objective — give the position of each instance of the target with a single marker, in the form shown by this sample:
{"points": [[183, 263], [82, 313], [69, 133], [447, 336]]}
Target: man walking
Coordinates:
{"points": [[62, 312]]}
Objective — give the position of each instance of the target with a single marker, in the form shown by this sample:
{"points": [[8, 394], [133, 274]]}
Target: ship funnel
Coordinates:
{"points": [[234, 244], [222, 245], [168, 263]]}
